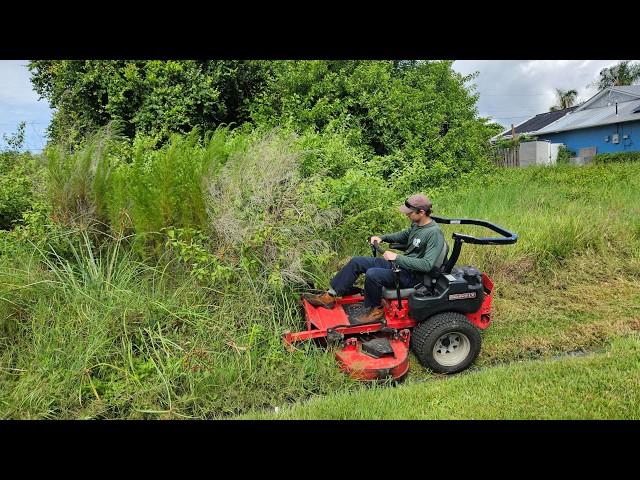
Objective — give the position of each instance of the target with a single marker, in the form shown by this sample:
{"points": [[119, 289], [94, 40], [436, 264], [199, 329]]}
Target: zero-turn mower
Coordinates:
{"points": [[439, 319]]}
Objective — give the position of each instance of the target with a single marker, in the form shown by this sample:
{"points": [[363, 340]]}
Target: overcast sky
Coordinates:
{"points": [[511, 91]]}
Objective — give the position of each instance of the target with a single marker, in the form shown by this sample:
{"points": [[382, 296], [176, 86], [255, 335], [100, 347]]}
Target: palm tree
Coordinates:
{"points": [[566, 99], [624, 73]]}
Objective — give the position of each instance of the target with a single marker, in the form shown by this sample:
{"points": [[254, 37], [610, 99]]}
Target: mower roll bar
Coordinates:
{"points": [[507, 236], [459, 238]]}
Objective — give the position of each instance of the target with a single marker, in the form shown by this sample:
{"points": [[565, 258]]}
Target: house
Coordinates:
{"points": [[603, 124], [533, 124], [530, 152]]}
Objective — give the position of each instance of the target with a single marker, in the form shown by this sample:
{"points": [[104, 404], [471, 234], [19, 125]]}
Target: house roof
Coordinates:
{"points": [[539, 121], [629, 91], [584, 115], [591, 117]]}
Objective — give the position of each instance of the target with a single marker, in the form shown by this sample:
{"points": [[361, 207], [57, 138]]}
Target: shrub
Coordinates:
{"points": [[20, 186], [617, 157], [564, 155]]}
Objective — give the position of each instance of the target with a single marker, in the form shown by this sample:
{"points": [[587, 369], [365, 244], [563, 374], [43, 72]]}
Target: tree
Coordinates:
{"points": [[623, 73], [418, 116], [16, 141], [152, 97], [565, 98], [416, 121]]}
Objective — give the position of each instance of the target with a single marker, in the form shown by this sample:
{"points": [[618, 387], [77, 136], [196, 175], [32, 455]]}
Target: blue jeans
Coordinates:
{"points": [[378, 274]]}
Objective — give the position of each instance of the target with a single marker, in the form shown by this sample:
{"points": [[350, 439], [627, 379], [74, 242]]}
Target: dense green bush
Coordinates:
{"points": [[564, 155], [20, 185], [153, 97], [416, 122], [617, 157]]}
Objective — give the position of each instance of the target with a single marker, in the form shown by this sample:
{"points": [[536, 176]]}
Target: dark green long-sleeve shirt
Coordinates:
{"points": [[424, 244]]}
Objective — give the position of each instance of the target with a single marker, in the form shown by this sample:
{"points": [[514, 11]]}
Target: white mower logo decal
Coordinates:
{"points": [[460, 296]]}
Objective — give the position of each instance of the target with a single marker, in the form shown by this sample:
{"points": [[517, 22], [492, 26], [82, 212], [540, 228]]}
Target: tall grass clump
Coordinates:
{"points": [[259, 220], [76, 180], [107, 336], [165, 187]]}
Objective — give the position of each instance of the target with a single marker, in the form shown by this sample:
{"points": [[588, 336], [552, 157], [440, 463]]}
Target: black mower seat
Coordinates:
{"points": [[391, 293]]}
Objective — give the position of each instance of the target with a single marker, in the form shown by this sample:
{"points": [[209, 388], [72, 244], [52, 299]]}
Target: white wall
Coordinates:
{"points": [[538, 153], [553, 154]]}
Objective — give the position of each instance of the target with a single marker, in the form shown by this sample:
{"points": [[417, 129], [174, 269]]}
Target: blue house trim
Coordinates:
{"points": [[600, 137]]}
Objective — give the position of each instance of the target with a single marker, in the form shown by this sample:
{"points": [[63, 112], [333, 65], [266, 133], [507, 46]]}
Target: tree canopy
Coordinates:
{"points": [[623, 73], [565, 98], [416, 115]]}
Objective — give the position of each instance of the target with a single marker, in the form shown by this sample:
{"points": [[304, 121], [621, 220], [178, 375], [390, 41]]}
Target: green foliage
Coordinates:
{"points": [[564, 155], [21, 178], [416, 121], [421, 119], [189, 247], [616, 157], [75, 180], [623, 73], [514, 142], [151, 97], [15, 141], [565, 99], [102, 335], [133, 186]]}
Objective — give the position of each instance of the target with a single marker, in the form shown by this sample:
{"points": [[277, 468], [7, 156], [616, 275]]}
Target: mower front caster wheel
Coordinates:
{"points": [[446, 343]]}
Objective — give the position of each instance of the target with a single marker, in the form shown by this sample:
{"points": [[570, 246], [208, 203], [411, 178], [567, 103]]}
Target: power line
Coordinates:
{"points": [[512, 113], [519, 116], [27, 123], [515, 94]]}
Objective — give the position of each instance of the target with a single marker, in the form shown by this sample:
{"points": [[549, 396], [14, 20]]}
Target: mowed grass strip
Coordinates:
{"points": [[603, 385]]}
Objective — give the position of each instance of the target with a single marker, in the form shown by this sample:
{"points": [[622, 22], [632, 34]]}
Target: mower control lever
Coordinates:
{"points": [[375, 247]]}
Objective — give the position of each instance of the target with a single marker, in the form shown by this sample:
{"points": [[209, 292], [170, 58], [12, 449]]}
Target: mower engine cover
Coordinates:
{"points": [[459, 291]]}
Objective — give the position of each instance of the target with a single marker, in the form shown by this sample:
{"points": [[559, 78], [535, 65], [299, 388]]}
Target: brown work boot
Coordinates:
{"points": [[325, 300], [375, 314]]}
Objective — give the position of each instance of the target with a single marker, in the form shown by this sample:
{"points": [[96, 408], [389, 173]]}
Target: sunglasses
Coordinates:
{"points": [[415, 209]]}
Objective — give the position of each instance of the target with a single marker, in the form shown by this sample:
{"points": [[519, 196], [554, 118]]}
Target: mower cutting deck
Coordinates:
{"points": [[371, 351], [439, 319]]}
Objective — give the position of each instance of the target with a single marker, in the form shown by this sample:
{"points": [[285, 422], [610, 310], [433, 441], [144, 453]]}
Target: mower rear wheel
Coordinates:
{"points": [[446, 343]]}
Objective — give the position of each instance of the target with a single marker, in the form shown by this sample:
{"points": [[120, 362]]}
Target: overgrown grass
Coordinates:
{"points": [[106, 336], [174, 307]]}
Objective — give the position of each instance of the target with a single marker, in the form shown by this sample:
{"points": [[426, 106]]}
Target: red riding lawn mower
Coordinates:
{"points": [[439, 319]]}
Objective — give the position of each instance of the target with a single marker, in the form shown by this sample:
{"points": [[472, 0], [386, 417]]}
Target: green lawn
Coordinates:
{"points": [[603, 385]]}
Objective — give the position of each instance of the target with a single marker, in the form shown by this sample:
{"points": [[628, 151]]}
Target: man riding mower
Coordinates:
{"points": [[416, 300]]}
